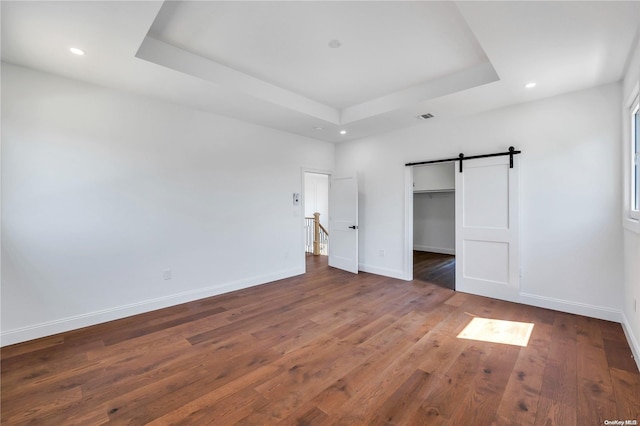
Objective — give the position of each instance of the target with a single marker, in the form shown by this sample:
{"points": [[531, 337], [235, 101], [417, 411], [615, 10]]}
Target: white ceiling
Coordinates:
{"points": [[270, 62], [385, 47]]}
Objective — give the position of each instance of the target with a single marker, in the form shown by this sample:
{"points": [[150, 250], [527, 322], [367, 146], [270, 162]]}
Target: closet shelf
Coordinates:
{"points": [[431, 191]]}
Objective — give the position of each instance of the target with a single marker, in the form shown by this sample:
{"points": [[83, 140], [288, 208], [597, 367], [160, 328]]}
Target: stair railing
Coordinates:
{"points": [[316, 236]]}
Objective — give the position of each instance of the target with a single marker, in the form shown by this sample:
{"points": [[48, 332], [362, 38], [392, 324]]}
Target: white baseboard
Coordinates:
{"points": [[633, 342], [49, 328], [391, 273], [587, 310], [441, 250], [570, 307]]}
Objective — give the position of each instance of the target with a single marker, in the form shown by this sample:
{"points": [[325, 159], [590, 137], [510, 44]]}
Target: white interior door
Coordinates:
{"points": [[343, 223], [487, 252]]}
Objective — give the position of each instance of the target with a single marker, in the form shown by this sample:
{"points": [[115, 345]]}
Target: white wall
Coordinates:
{"points": [[434, 224], [103, 191], [434, 177], [571, 238], [316, 197], [631, 232]]}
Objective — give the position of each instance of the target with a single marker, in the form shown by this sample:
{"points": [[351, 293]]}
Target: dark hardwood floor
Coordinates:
{"points": [[326, 348], [436, 268]]}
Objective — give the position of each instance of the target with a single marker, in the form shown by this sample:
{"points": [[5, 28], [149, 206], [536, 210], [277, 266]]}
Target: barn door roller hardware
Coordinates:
{"points": [[512, 151]]}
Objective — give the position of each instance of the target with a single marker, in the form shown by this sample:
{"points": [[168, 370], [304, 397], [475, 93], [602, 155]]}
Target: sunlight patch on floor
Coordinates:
{"points": [[498, 331]]}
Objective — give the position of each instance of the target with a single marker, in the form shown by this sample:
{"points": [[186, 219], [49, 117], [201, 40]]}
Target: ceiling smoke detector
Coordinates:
{"points": [[425, 116]]}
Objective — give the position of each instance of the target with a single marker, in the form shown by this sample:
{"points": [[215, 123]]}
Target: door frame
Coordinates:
{"points": [[303, 171], [408, 223]]}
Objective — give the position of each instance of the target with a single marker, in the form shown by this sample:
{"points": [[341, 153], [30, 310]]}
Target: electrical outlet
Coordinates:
{"points": [[166, 274], [382, 253]]}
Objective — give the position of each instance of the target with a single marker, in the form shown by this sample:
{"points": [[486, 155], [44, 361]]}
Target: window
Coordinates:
{"points": [[634, 146]]}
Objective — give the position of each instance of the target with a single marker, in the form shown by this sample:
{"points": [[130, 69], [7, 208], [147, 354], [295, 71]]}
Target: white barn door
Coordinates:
{"points": [[343, 223], [487, 215]]}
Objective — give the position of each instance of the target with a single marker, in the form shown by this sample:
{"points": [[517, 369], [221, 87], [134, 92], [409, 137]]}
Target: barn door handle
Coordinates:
{"points": [[353, 227]]}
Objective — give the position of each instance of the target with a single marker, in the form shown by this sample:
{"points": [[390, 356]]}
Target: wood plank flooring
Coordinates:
{"points": [[326, 348], [435, 268]]}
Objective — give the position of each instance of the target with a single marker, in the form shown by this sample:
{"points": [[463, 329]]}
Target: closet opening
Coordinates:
{"points": [[434, 224]]}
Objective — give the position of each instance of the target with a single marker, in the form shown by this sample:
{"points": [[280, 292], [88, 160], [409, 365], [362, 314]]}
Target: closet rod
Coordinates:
{"points": [[512, 151]]}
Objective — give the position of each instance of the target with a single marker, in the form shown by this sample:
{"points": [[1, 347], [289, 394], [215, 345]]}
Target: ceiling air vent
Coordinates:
{"points": [[425, 116]]}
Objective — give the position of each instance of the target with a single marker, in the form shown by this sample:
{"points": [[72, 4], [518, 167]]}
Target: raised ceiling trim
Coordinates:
{"points": [[466, 79], [164, 54], [169, 56]]}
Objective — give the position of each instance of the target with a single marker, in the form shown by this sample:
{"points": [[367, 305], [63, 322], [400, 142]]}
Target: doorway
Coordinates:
{"points": [[487, 252], [336, 200], [316, 214], [434, 224]]}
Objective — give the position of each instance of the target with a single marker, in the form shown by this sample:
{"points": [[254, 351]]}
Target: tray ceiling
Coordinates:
{"points": [[271, 63]]}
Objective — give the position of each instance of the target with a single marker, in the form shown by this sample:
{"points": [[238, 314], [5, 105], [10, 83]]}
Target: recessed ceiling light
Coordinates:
{"points": [[76, 51], [318, 128], [334, 44], [343, 132], [530, 85]]}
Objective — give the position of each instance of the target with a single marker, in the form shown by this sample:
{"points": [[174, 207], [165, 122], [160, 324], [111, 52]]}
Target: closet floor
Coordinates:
{"points": [[435, 268]]}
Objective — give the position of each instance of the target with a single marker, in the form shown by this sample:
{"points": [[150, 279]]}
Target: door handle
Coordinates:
{"points": [[353, 227]]}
